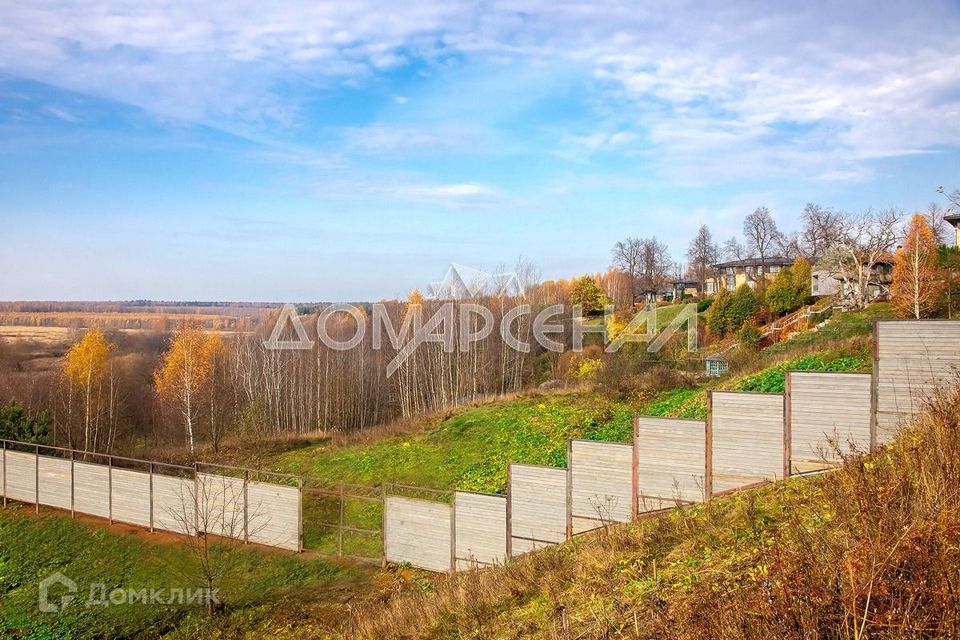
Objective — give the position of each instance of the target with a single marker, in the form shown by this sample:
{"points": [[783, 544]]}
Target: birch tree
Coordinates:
{"points": [[185, 374], [916, 280], [87, 365]]}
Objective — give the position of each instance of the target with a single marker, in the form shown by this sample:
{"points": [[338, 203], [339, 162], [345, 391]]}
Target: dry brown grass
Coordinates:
{"points": [[40, 335], [869, 551]]}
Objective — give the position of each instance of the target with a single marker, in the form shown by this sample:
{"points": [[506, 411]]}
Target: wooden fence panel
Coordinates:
{"points": [[21, 476], [91, 489], [539, 506], [55, 482], [747, 435], [131, 496], [671, 458], [173, 504], [601, 484], [481, 529], [274, 515], [913, 359], [826, 412], [418, 532]]}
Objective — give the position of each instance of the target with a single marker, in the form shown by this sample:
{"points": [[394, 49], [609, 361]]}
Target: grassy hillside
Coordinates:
{"points": [[264, 587], [867, 551], [471, 448]]}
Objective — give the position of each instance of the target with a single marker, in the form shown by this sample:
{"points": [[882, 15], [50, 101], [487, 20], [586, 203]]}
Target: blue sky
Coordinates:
{"points": [[316, 151]]}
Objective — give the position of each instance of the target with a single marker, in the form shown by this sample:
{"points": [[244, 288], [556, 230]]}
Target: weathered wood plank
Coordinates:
{"points": [[671, 456], [481, 529], [748, 439], [417, 532], [601, 484]]}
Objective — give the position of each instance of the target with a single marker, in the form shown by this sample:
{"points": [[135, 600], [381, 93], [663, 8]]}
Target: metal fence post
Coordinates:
{"points": [[340, 523], [635, 472], [708, 451], [300, 514], [36, 479], [73, 507], [246, 507], [150, 473], [110, 488], [509, 514], [569, 499], [383, 523], [196, 499], [787, 428], [4, 473], [453, 533]]}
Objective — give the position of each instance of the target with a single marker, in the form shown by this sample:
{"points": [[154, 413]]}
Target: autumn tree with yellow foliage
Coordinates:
{"points": [[186, 374], [917, 282], [87, 365]]}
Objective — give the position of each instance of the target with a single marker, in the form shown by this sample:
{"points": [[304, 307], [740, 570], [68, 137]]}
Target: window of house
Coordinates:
{"points": [[731, 282], [750, 270], [816, 284], [775, 269]]}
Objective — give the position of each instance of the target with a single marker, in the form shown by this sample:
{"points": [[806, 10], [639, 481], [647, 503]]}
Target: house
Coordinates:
{"points": [[826, 281], [732, 274], [954, 219]]}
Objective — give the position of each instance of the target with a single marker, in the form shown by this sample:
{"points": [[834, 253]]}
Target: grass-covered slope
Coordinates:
{"points": [[471, 448], [869, 551], [264, 587]]}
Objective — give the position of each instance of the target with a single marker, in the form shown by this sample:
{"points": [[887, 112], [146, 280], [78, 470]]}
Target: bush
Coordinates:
{"points": [[743, 307], [781, 294], [17, 424], [718, 319], [705, 304], [749, 336]]}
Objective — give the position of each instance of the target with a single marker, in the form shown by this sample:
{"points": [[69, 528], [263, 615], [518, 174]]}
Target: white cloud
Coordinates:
{"points": [[746, 90]]}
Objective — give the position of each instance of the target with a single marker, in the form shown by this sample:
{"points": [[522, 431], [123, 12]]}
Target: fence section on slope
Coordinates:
{"points": [[153, 495], [828, 414], [911, 360], [602, 483], [671, 461], [745, 440]]}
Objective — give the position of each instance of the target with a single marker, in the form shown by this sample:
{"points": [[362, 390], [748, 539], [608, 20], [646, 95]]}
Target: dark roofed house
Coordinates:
{"points": [[734, 273]]}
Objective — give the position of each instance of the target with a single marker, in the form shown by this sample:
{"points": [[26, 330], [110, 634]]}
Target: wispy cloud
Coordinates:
{"points": [[693, 93]]}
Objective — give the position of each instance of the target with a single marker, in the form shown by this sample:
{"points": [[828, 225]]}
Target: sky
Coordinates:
{"points": [[347, 151]]}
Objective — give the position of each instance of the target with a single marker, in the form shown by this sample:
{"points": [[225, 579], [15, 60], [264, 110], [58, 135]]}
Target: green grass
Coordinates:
{"points": [[692, 403], [841, 326], [32, 548], [471, 450]]}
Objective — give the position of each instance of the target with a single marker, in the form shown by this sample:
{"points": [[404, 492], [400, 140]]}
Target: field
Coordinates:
{"points": [[140, 316]]}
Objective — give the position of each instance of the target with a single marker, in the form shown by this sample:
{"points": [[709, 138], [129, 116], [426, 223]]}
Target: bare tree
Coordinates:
{"points": [[866, 239], [936, 220], [655, 266], [822, 229], [733, 249], [627, 257], [953, 198], [214, 517], [761, 233], [702, 254]]}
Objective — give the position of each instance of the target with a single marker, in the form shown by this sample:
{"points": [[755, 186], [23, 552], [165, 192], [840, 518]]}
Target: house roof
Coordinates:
{"points": [[769, 261], [953, 218]]}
